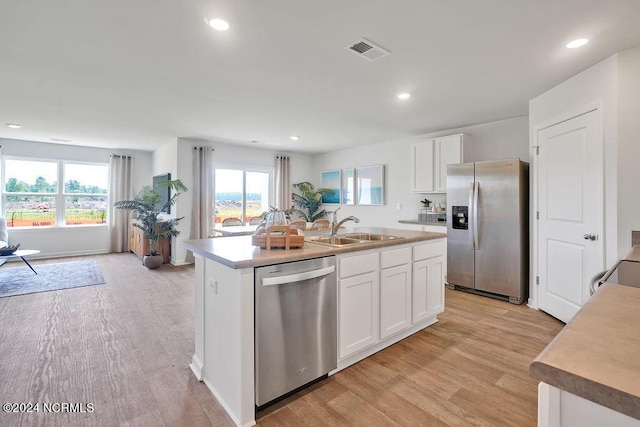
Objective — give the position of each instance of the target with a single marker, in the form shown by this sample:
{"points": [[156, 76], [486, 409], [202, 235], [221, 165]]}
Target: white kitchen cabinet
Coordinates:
{"points": [[429, 265], [359, 295], [422, 161], [381, 293], [358, 312], [429, 160], [448, 152], [395, 291]]}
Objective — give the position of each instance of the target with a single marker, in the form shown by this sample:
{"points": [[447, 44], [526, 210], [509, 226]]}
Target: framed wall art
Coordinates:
{"points": [[164, 190], [370, 185], [332, 181], [348, 186]]}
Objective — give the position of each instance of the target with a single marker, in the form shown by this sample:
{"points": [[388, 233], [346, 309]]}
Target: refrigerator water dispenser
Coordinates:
{"points": [[460, 217]]}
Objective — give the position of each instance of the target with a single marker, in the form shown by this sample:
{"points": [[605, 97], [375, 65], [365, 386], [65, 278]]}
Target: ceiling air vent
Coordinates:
{"points": [[367, 49]]}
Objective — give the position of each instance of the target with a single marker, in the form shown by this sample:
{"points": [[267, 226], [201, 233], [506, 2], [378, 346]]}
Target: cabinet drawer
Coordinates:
{"points": [[358, 264], [429, 250], [395, 257]]}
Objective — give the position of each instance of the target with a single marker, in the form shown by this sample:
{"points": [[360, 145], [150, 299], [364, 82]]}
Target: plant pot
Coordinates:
{"points": [[152, 261]]}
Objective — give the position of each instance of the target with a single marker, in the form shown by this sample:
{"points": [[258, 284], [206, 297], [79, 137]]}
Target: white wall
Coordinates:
{"points": [[178, 156], [69, 241], [628, 205], [495, 140]]}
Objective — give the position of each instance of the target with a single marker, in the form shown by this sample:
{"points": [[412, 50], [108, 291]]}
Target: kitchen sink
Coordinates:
{"points": [[349, 239], [370, 236], [334, 241]]}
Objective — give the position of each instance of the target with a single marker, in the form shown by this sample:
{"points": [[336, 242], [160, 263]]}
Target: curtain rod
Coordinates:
{"points": [[197, 148], [121, 155]]}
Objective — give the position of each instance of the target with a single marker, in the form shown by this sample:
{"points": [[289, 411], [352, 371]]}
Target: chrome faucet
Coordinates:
{"points": [[336, 225]]}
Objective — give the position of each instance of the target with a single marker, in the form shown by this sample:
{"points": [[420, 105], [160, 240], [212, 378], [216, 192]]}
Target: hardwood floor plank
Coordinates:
{"points": [[358, 412], [434, 404]]}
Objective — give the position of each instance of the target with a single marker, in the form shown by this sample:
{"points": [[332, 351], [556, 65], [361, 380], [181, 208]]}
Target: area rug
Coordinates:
{"points": [[20, 280]]}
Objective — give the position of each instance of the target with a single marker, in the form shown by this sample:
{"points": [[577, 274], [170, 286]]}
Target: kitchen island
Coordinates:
{"points": [[590, 373], [387, 290]]}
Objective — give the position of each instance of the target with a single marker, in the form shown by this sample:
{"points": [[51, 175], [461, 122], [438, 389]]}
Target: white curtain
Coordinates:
{"points": [[202, 208], [120, 188], [283, 183]]}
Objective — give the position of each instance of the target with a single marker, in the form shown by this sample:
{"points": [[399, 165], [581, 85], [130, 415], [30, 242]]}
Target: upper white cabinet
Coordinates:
{"points": [[429, 160]]}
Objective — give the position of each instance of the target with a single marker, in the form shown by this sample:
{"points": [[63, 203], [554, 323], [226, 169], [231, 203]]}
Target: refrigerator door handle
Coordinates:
{"points": [[471, 229], [476, 190]]}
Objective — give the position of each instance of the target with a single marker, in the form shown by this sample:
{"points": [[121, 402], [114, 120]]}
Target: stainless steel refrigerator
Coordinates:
{"points": [[488, 228]]}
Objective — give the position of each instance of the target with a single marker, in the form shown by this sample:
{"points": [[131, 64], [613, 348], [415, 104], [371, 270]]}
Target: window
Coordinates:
{"points": [[85, 190], [49, 193], [241, 193]]}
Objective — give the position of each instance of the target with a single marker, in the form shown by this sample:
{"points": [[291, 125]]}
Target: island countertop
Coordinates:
{"points": [[596, 355], [238, 252]]}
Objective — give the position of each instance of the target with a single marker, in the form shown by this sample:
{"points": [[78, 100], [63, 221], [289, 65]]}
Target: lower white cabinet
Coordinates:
{"points": [[388, 292], [428, 288], [395, 299], [358, 312], [429, 267]]}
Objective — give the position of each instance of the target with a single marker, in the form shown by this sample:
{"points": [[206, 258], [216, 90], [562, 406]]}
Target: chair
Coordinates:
{"points": [[255, 220], [299, 224], [231, 222], [321, 224]]}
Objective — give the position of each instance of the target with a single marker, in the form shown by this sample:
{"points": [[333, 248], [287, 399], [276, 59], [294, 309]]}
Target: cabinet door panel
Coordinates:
{"points": [[435, 288], [395, 300], [421, 274], [358, 311], [422, 158], [428, 288], [449, 150]]}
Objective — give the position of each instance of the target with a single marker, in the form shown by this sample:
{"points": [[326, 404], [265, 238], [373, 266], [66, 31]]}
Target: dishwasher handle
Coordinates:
{"points": [[292, 278]]}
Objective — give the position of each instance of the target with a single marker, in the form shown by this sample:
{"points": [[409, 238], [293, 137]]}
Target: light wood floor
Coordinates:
{"points": [[126, 346]]}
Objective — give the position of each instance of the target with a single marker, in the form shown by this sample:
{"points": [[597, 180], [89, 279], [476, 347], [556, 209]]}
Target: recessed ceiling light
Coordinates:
{"points": [[404, 95], [218, 24], [14, 125], [577, 43], [294, 137]]}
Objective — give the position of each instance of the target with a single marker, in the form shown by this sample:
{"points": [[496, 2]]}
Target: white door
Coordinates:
{"points": [[570, 209]]}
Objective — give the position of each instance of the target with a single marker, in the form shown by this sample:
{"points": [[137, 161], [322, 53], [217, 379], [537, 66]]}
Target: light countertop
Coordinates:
{"points": [[597, 355], [238, 252]]}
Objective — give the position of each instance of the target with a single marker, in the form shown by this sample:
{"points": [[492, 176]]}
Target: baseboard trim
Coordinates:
{"points": [[196, 367], [226, 407]]}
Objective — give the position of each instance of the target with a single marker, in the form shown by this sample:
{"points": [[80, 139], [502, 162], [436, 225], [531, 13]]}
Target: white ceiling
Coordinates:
{"points": [[138, 74]]}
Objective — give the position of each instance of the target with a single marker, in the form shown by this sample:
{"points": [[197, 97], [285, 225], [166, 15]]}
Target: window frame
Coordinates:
{"points": [[245, 168], [60, 195]]}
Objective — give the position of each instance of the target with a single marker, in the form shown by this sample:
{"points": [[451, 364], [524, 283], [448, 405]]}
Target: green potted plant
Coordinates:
{"points": [[308, 203], [148, 209]]}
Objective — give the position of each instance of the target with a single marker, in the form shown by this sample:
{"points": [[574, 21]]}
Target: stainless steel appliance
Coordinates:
{"points": [[295, 325], [488, 228]]}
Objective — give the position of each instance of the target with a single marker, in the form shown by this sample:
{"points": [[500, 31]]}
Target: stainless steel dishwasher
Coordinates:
{"points": [[295, 325]]}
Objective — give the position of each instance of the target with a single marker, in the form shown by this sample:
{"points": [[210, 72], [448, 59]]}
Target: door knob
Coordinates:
{"points": [[590, 236]]}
